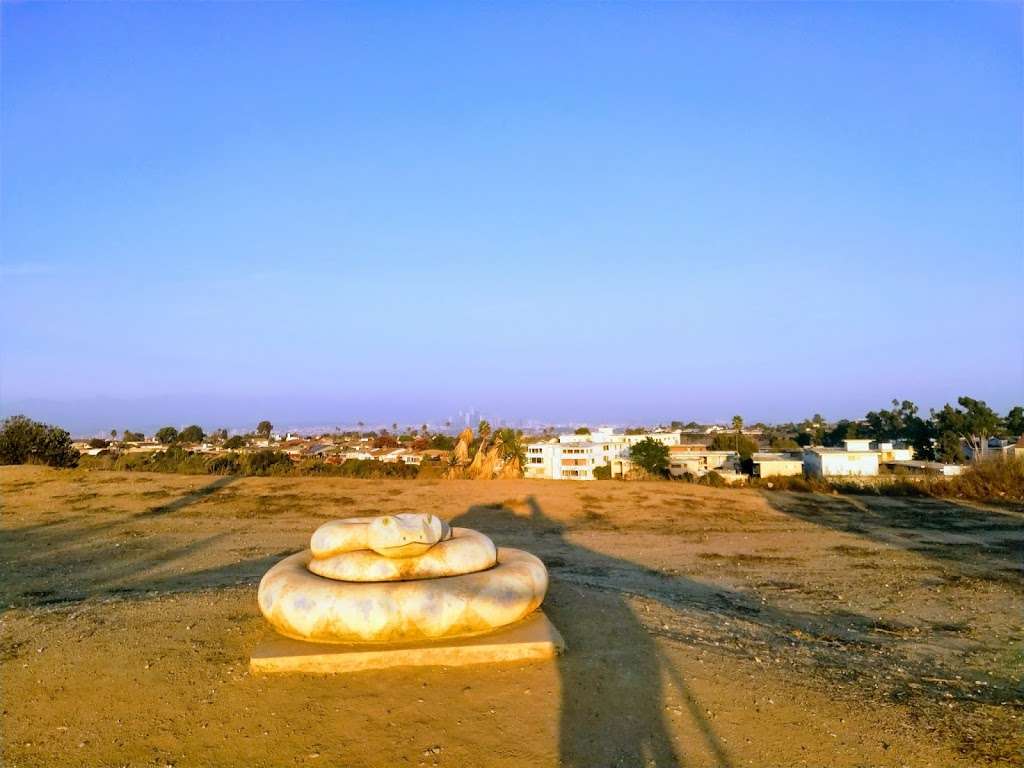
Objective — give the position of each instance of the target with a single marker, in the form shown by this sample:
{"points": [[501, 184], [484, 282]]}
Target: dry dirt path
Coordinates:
{"points": [[705, 628]]}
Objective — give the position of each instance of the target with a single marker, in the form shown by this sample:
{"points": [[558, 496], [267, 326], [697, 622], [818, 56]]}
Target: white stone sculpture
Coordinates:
{"points": [[389, 580]]}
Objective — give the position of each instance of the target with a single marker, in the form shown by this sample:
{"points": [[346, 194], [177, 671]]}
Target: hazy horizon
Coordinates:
{"points": [[219, 213], [98, 415]]}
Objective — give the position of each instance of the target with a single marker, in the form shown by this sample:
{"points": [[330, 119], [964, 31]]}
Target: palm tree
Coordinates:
{"points": [[737, 424], [483, 429], [511, 445]]}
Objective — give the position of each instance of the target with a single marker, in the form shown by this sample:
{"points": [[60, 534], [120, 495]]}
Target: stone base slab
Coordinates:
{"points": [[533, 638]]}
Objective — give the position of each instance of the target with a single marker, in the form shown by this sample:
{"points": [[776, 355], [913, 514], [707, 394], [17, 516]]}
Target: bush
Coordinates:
{"points": [[994, 479], [603, 473], [176, 459], [713, 479], [265, 462], [796, 483], [24, 441], [102, 461], [224, 465], [233, 443]]}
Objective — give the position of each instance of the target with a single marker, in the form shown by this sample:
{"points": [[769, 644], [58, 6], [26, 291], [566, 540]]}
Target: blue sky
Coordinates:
{"points": [[571, 212]]}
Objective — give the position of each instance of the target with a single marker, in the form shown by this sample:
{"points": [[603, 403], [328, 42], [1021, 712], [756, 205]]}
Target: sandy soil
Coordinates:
{"points": [[704, 628]]}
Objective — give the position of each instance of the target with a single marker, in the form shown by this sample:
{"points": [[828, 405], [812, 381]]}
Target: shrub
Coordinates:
{"points": [[103, 461], [233, 443], [603, 473], [176, 459], [796, 483], [24, 441], [264, 463], [990, 480], [713, 479], [224, 465]]}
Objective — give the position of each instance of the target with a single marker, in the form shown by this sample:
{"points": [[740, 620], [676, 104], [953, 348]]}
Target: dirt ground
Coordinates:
{"points": [[705, 628]]}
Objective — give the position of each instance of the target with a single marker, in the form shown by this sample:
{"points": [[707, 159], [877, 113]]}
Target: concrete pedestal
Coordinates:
{"points": [[533, 638]]}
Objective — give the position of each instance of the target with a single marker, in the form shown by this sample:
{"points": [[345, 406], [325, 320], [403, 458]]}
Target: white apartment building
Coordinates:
{"points": [[575, 457], [855, 459], [777, 465], [685, 460]]}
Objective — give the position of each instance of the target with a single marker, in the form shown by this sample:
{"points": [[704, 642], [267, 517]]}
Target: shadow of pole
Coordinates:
{"points": [[189, 498], [612, 677]]}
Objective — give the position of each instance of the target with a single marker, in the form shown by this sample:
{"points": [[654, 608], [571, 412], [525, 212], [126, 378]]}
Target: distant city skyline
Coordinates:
{"points": [[97, 416], [219, 212]]}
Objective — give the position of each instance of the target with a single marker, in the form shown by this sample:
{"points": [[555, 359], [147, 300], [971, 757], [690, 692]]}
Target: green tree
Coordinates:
{"points": [[582, 430], [843, 430], [24, 440], [603, 472], [192, 434], [113, 434], [483, 429], [132, 437], [737, 427], [785, 445], [651, 455], [947, 448], [743, 445], [974, 421], [264, 429], [511, 446], [166, 435], [442, 442], [234, 443], [814, 429], [1014, 421]]}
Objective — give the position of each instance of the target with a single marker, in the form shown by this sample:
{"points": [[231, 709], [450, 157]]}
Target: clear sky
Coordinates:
{"points": [[326, 212]]}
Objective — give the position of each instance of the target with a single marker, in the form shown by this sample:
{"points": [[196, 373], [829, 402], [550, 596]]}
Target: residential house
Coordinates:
{"points": [[855, 458], [891, 452], [777, 464], [684, 460]]}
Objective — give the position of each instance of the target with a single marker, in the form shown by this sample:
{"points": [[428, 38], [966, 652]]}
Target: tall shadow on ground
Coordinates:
{"points": [[76, 558], [193, 497], [614, 680], [986, 542]]}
